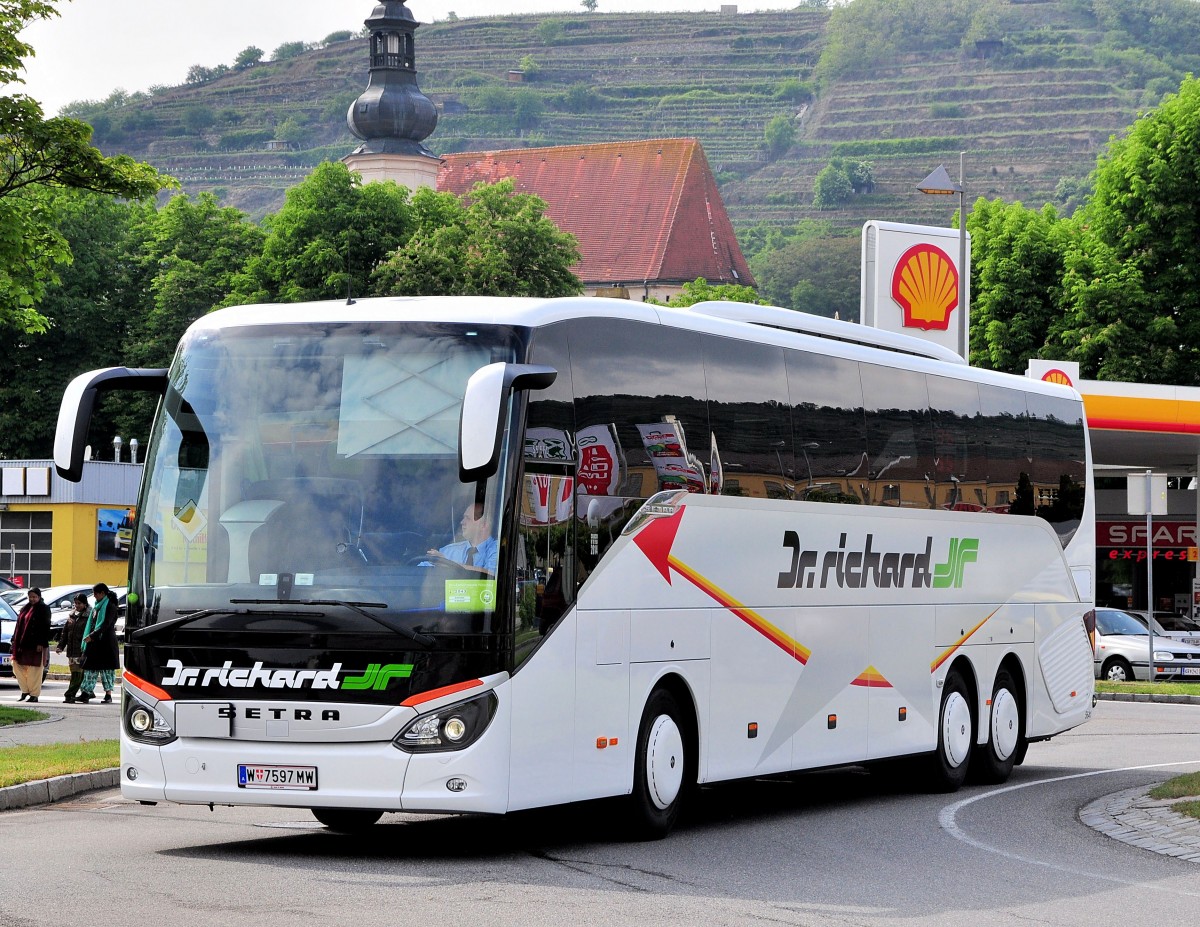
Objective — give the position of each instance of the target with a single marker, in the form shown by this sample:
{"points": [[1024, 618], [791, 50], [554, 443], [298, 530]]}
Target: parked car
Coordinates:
{"points": [[59, 598], [1169, 624], [1123, 650]]}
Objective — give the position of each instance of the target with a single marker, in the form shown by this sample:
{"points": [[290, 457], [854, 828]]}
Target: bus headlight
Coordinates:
{"points": [[450, 728], [144, 723]]}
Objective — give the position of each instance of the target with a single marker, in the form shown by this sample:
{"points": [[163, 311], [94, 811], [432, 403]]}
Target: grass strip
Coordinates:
{"points": [[1184, 786], [29, 762], [20, 715], [1149, 688]]}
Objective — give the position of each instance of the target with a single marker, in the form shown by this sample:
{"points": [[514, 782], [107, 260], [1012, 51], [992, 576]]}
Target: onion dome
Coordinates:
{"points": [[392, 116]]}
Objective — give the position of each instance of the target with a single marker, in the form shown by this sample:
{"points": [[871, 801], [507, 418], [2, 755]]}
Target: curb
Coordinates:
{"points": [[48, 791], [1148, 697]]}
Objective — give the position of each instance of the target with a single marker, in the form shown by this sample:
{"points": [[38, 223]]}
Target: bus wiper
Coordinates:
{"points": [[154, 630], [360, 607]]}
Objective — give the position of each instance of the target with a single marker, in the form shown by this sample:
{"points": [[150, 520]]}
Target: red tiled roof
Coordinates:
{"points": [[643, 211]]}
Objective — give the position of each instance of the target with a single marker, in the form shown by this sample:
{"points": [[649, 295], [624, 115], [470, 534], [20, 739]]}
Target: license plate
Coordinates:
{"points": [[1191, 671], [303, 778], [5, 659]]}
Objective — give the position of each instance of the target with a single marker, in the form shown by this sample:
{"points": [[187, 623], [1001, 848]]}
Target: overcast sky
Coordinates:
{"points": [[96, 46]]}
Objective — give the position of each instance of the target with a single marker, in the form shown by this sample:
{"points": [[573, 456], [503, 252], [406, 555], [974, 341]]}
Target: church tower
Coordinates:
{"points": [[392, 116]]}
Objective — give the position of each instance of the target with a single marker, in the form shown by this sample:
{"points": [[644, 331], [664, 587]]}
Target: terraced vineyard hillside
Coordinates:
{"points": [[1038, 110]]}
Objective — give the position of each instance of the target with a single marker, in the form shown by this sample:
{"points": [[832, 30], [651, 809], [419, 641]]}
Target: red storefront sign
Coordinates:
{"points": [[1126, 540]]}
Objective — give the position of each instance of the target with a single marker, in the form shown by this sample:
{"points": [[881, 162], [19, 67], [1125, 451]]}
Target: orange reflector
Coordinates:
{"points": [[832, 721], [148, 687], [601, 743], [903, 714], [988, 702], [1072, 693], [612, 741], [752, 729]]}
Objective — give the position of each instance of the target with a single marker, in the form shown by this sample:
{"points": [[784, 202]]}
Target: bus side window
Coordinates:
{"points": [[829, 428], [899, 437], [751, 444]]}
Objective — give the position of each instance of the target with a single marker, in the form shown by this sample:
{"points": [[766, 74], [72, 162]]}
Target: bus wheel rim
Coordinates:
{"points": [[1006, 724], [664, 761], [956, 729]]}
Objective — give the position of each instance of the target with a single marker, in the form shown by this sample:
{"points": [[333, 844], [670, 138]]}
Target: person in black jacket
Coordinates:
{"points": [[71, 640], [101, 656], [30, 645]]}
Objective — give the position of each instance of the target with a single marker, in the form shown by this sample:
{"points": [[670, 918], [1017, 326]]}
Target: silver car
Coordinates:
{"points": [[1123, 651]]}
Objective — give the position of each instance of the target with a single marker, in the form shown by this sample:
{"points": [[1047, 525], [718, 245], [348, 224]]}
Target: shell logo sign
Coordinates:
{"points": [[925, 286], [1057, 376]]}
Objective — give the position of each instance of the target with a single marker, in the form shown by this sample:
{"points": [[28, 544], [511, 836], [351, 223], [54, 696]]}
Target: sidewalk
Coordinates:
{"points": [[67, 723]]}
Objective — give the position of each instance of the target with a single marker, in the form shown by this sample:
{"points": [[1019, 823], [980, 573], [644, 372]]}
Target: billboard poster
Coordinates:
{"points": [[675, 467], [601, 464], [551, 499], [114, 533]]}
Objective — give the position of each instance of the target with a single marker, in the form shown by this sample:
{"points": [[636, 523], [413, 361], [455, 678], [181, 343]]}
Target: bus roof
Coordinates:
{"points": [[763, 324]]}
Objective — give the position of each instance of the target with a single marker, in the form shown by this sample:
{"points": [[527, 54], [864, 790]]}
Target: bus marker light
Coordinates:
{"points": [[752, 729], [612, 741], [601, 743], [987, 701], [832, 721], [903, 714]]}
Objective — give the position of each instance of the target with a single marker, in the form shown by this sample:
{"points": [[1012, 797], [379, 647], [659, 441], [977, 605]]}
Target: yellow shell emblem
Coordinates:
{"points": [[925, 286], [1057, 376]]}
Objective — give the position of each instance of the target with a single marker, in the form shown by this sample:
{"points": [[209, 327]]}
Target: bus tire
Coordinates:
{"points": [[1006, 731], [956, 736], [661, 773], [347, 820]]}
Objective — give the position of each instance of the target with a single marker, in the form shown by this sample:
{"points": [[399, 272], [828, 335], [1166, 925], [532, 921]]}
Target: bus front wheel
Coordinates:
{"points": [[1006, 730], [956, 736], [346, 820], [662, 773]]}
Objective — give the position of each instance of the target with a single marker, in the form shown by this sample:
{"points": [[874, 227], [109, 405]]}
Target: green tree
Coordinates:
{"points": [[248, 57], [38, 153], [700, 290], [187, 257], [779, 136], [812, 273], [1016, 281], [197, 118], [529, 67], [330, 235], [89, 318], [289, 50], [832, 187], [491, 242], [1132, 280], [589, 5]]}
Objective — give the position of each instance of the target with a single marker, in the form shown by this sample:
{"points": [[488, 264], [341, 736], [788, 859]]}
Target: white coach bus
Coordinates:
{"points": [[481, 555]]}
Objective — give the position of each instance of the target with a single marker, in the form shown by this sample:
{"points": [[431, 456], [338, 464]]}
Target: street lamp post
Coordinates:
{"points": [[939, 183]]}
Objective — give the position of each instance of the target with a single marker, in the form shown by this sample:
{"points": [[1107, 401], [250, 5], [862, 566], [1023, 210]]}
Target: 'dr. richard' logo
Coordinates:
{"points": [[859, 566]]}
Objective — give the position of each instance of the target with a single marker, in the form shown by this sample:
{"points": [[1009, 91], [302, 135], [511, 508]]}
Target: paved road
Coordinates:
{"points": [[67, 723], [823, 849]]}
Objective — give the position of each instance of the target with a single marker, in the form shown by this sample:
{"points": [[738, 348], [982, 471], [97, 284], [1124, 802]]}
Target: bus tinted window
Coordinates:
{"points": [[829, 427], [639, 399], [1059, 468], [1006, 438], [960, 459], [751, 443], [899, 439]]}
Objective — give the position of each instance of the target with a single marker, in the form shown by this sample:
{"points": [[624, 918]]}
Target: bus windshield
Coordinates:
{"points": [[294, 465]]}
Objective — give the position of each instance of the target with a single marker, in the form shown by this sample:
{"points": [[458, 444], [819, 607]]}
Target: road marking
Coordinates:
{"points": [[946, 818]]}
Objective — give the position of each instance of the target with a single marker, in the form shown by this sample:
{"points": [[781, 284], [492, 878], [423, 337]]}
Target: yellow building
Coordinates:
{"points": [[55, 533]]}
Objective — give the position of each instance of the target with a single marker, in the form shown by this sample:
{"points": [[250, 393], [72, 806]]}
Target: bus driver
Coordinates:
{"points": [[477, 550]]}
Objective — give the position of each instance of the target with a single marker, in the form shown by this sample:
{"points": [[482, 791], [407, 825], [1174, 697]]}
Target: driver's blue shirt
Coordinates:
{"points": [[486, 553]]}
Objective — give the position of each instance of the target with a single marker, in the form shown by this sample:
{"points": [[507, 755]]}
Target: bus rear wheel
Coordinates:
{"points": [[956, 736], [346, 820], [1006, 730], [662, 773]]}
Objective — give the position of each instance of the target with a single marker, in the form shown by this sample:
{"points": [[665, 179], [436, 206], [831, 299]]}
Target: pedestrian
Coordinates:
{"points": [[71, 640], [100, 654], [30, 644]]}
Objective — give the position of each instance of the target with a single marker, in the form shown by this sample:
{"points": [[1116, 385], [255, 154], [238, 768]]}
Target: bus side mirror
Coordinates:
{"points": [[482, 422], [78, 402]]}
